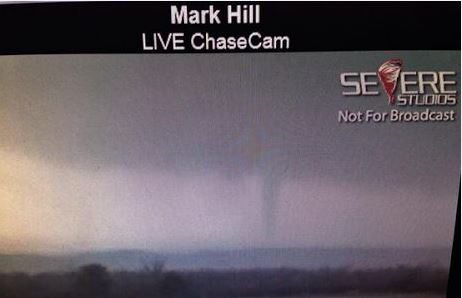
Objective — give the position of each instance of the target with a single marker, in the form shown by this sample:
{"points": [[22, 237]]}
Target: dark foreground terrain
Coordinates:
{"points": [[296, 258], [95, 281]]}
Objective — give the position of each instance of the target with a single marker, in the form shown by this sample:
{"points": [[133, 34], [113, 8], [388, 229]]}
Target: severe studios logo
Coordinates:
{"points": [[427, 89], [416, 88]]}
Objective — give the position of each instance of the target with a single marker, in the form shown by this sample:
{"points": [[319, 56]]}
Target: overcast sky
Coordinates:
{"points": [[216, 151]]}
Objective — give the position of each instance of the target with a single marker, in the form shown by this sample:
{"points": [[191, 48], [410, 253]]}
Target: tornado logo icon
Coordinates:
{"points": [[388, 75]]}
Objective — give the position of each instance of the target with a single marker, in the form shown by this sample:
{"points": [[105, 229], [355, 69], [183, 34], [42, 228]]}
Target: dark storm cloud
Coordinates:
{"points": [[227, 113], [269, 115]]}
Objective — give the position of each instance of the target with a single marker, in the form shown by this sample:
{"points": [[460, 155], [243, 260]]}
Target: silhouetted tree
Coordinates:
{"points": [[92, 280], [154, 268]]}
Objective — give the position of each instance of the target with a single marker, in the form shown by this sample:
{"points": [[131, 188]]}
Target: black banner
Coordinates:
{"points": [[110, 27]]}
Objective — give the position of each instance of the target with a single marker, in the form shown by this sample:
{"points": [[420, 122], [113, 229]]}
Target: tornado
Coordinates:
{"points": [[274, 168], [271, 185], [271, 164]]}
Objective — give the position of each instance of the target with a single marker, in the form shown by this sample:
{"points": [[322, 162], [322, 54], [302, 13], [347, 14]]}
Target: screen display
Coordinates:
{"points": [[247, 173]]}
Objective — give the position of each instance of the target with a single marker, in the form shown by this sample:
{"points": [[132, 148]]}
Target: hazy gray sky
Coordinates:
{"points": [[207, 151]]}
